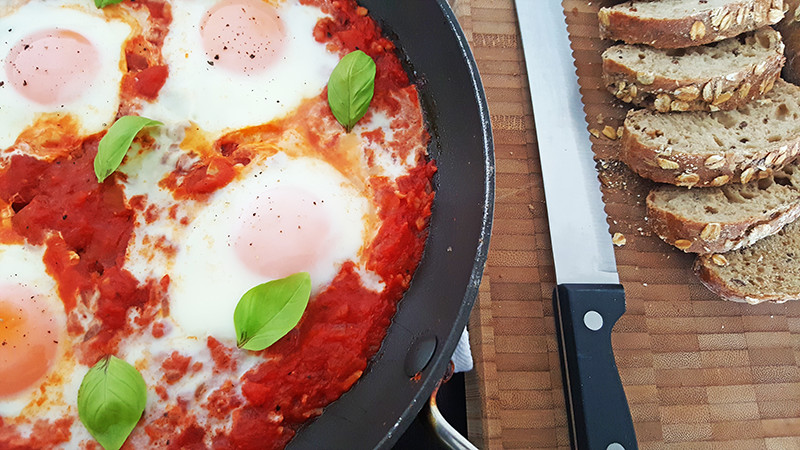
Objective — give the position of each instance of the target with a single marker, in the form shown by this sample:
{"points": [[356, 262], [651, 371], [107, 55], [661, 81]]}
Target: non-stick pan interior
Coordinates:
{"points": [[436, 308]]}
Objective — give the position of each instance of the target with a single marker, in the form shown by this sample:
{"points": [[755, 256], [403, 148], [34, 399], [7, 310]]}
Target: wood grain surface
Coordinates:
{"points": [[699, 373]]}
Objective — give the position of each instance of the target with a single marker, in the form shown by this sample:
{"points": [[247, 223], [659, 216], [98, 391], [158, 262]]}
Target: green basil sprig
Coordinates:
{"points": [[111, 401], [104, 3], [116, 142], [268, 311], [350, 88]]}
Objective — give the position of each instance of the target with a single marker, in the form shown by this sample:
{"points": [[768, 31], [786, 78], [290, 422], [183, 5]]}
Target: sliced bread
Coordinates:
{"points": [[726, 218], [718, 76], [685, 23], [767, 271], [713, 149]]}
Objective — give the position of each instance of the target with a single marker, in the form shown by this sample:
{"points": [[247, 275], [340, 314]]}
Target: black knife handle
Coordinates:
{"points": [[598, 411]]}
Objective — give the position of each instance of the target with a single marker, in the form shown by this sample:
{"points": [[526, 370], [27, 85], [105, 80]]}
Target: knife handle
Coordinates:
{"points": [[599, 416]]}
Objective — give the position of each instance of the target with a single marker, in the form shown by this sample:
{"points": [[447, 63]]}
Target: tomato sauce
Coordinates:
{"points": [[86, 227], [45, 434], [147, 72]]}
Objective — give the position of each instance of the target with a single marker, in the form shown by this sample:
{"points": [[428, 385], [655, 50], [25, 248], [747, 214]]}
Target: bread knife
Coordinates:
{"points": [[588, 299]]}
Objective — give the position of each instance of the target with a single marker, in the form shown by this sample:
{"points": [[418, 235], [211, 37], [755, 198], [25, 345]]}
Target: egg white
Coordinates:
{"points": [[22, 265]]}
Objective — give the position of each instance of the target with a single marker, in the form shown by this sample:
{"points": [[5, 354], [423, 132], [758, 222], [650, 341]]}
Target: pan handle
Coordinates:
{"points": [[444, 431]]}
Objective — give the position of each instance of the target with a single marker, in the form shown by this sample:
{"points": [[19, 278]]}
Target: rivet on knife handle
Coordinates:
{"points": [[599, 416]]}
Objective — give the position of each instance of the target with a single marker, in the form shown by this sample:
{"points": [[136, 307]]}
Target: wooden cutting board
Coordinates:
{"points": [[698, 372]]}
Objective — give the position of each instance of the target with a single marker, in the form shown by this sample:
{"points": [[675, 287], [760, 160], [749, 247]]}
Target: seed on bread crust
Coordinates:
{"points": [[683, 244], [715, 162], [717, 89], [687, 179], [747, 175], [662, 103], [687, 93], [719, 260], [645, 78], [717, 15], [678, 105], [774, 15], [760, 68], [720, 180], [711, 232], [698, 31], [727, 21], [667, 164], [722, 98], [708, 91], [744, 89], [770, 159], [740, 16], [767, 86]]}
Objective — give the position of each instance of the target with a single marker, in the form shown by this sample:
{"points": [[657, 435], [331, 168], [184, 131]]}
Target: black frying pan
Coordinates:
{"points": [[429, 319]]}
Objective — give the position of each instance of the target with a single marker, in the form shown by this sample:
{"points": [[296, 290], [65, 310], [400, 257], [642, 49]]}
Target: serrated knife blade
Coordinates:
{"points": [[588, 299]]}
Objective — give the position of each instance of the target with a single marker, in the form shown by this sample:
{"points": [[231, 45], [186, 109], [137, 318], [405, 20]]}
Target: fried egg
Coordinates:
{"points": [[62, 57], [237, 63], [35, 360], [280, 216]]}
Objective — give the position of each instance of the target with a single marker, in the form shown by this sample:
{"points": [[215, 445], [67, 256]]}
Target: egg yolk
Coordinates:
{"points": [[242, 36], [284, 231], [28, 339], [52, 66]]}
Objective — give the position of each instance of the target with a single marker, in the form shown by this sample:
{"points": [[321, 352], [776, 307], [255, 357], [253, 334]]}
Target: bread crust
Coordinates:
{"points": [[704, 169], [704, 268], [687, 235], [791, 37], [620, 22], [721, 93]]}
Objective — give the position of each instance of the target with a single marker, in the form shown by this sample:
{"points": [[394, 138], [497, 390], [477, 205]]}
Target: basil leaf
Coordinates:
{"points": [[111, 401], [268, 311], [104, 3], [116, 142], [350, 88]]}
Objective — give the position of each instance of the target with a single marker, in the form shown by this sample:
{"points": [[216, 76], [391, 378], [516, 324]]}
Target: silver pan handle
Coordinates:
{"points": [[444, 431]]}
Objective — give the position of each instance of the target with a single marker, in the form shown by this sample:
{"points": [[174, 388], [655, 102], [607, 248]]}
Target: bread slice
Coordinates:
{"points": [[767, 271], [718, 76], [726, 218], [713, 149], [685, 23]]}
